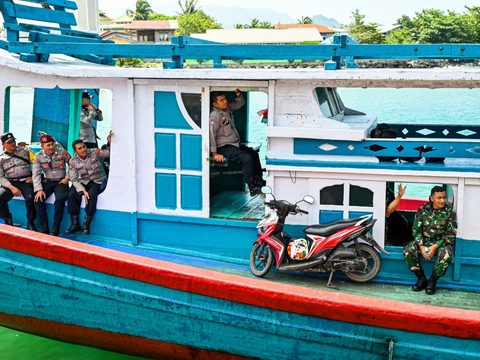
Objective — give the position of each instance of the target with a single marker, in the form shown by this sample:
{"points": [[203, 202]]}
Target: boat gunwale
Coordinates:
{"points": [[457, 323]]}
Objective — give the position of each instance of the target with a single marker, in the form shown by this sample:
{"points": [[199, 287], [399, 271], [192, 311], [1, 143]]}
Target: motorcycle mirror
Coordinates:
{"points": [[308, 199], [266, 189]]}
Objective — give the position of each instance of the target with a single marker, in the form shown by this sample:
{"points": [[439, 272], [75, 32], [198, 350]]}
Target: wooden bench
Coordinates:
{"points": [[53, 12]]}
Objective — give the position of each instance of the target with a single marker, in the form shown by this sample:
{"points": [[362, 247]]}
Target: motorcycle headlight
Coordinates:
{"points": [[262, 229]]}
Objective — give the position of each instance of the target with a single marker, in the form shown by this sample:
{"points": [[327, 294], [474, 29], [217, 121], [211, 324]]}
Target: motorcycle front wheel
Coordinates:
{"points": [[374, 264], [261, 259]]}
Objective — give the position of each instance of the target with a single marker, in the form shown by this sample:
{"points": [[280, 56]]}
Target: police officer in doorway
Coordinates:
{"points": [[53, 162], [16, 179], [225, 140], [87, 174], [90, 112]]}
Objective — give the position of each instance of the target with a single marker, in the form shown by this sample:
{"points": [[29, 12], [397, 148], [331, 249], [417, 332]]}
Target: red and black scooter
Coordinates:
{"points": [[344, 245]]}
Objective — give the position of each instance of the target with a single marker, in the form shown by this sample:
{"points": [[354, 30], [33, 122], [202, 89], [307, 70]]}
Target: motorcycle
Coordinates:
{"points": [[344, 245]]}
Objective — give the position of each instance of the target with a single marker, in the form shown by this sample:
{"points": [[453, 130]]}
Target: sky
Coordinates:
{"points": [[383, 12]]}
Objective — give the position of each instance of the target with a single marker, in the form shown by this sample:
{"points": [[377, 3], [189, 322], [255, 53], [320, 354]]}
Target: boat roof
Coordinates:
{"points": [[62, 65]]}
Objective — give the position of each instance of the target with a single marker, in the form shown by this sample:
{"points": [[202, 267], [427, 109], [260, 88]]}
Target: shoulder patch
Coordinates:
{"points": [[70, 166], [99, 151], [34, 160], [213, 122], [68, 155]]}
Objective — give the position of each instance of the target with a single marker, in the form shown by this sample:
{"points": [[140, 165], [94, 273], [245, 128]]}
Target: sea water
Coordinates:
{"points": [[419, 106]]}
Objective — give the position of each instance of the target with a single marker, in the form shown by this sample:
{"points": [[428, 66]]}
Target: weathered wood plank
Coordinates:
{"points": [[228, 202], [47, 15], [71, 5]]}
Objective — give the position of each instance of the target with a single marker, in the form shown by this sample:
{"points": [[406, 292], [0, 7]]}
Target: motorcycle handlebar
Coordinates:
{"points": [[302, 211]]}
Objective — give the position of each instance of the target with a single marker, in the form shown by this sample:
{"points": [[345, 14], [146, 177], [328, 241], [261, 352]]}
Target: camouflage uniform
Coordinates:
{"points": [[432, 226]]}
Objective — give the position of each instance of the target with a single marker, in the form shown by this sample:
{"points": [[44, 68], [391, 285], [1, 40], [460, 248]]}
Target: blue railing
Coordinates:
{"points": [[42, 42]]}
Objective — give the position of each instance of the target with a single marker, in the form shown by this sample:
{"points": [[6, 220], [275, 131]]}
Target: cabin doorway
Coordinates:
{"points": [[229, 194]]}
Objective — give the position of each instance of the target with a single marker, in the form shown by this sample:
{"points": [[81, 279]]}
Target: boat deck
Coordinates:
{"points": [[237, 205], [445, 296]]}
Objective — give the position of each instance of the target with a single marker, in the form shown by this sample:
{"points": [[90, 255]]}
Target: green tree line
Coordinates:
{"points": [[429, 26]]}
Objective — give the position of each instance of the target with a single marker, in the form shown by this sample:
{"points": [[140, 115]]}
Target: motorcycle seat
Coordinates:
{"points": [[330, 228]]}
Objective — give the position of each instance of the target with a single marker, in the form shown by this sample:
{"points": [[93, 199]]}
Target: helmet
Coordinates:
{"points": [[298, 249]]}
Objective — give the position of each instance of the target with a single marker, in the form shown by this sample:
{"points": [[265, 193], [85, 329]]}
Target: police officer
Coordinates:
{"points": [[225, 141], [16, 179], [90, 112], [87, 175], [434, 232], [53, 162]]}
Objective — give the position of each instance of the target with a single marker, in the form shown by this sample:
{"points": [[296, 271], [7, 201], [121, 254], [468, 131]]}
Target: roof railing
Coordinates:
{"points": [[42, 42]]}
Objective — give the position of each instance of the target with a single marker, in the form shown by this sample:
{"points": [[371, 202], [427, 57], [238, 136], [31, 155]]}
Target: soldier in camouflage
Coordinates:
{"points": [[434, 232]]}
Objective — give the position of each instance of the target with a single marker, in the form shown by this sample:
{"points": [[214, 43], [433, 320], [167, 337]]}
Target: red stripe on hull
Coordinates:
{"points": [[328, 305], [111, 341]]}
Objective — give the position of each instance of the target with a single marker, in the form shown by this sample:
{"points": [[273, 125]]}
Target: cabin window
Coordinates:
{"points": [[328, 102], [332, 195], [193, 104], [360, 196]]}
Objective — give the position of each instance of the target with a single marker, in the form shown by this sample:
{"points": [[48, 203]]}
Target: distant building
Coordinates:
{"points": [[117, 24], [324, 31], [119, 37], [388, 30], [103, 18], [153, 31], [261, 36]]}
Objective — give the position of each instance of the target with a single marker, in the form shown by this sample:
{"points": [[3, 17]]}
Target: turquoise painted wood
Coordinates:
{"points": [[46, 29], [191, 192], [165, 151], [271, 52], [167, 111], [71, 5], [391, 148], [325, 216], [191, 152], [74, 118], [59, 292], [464, 166], [47, 15], [51, 114], [166, 191], [160, 233]]}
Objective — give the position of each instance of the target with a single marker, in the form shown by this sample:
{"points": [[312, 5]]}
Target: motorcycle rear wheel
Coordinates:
{"points": [[374, 264], [261, 260]]}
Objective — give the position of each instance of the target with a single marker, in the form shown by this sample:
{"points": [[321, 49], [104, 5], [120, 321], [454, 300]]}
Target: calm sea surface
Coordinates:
{"points": [[444, 106]]}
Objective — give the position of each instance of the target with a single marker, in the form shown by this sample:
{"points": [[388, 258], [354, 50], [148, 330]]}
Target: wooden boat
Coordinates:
{"points": [[164, 273]]}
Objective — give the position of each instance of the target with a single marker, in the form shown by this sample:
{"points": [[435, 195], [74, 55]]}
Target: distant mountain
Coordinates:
{"points": [[322, 20], [228, 16]]}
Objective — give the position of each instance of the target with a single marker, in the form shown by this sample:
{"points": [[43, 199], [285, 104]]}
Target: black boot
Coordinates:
{"points": [[421, 282], [55, 229], [86, 224], [31, 226], [44, 229], [8, 221], [75, 227], [432, 284]]}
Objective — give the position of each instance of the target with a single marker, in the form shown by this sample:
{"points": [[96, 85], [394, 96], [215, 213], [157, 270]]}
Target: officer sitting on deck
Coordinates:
{"points": [[434, 232], [90, 112], [53, 162], [16, 179], [87, 175], [225, 141]]}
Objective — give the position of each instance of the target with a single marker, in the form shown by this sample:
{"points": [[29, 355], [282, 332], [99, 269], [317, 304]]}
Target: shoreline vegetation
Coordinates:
{"points": [[298, 64]]}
